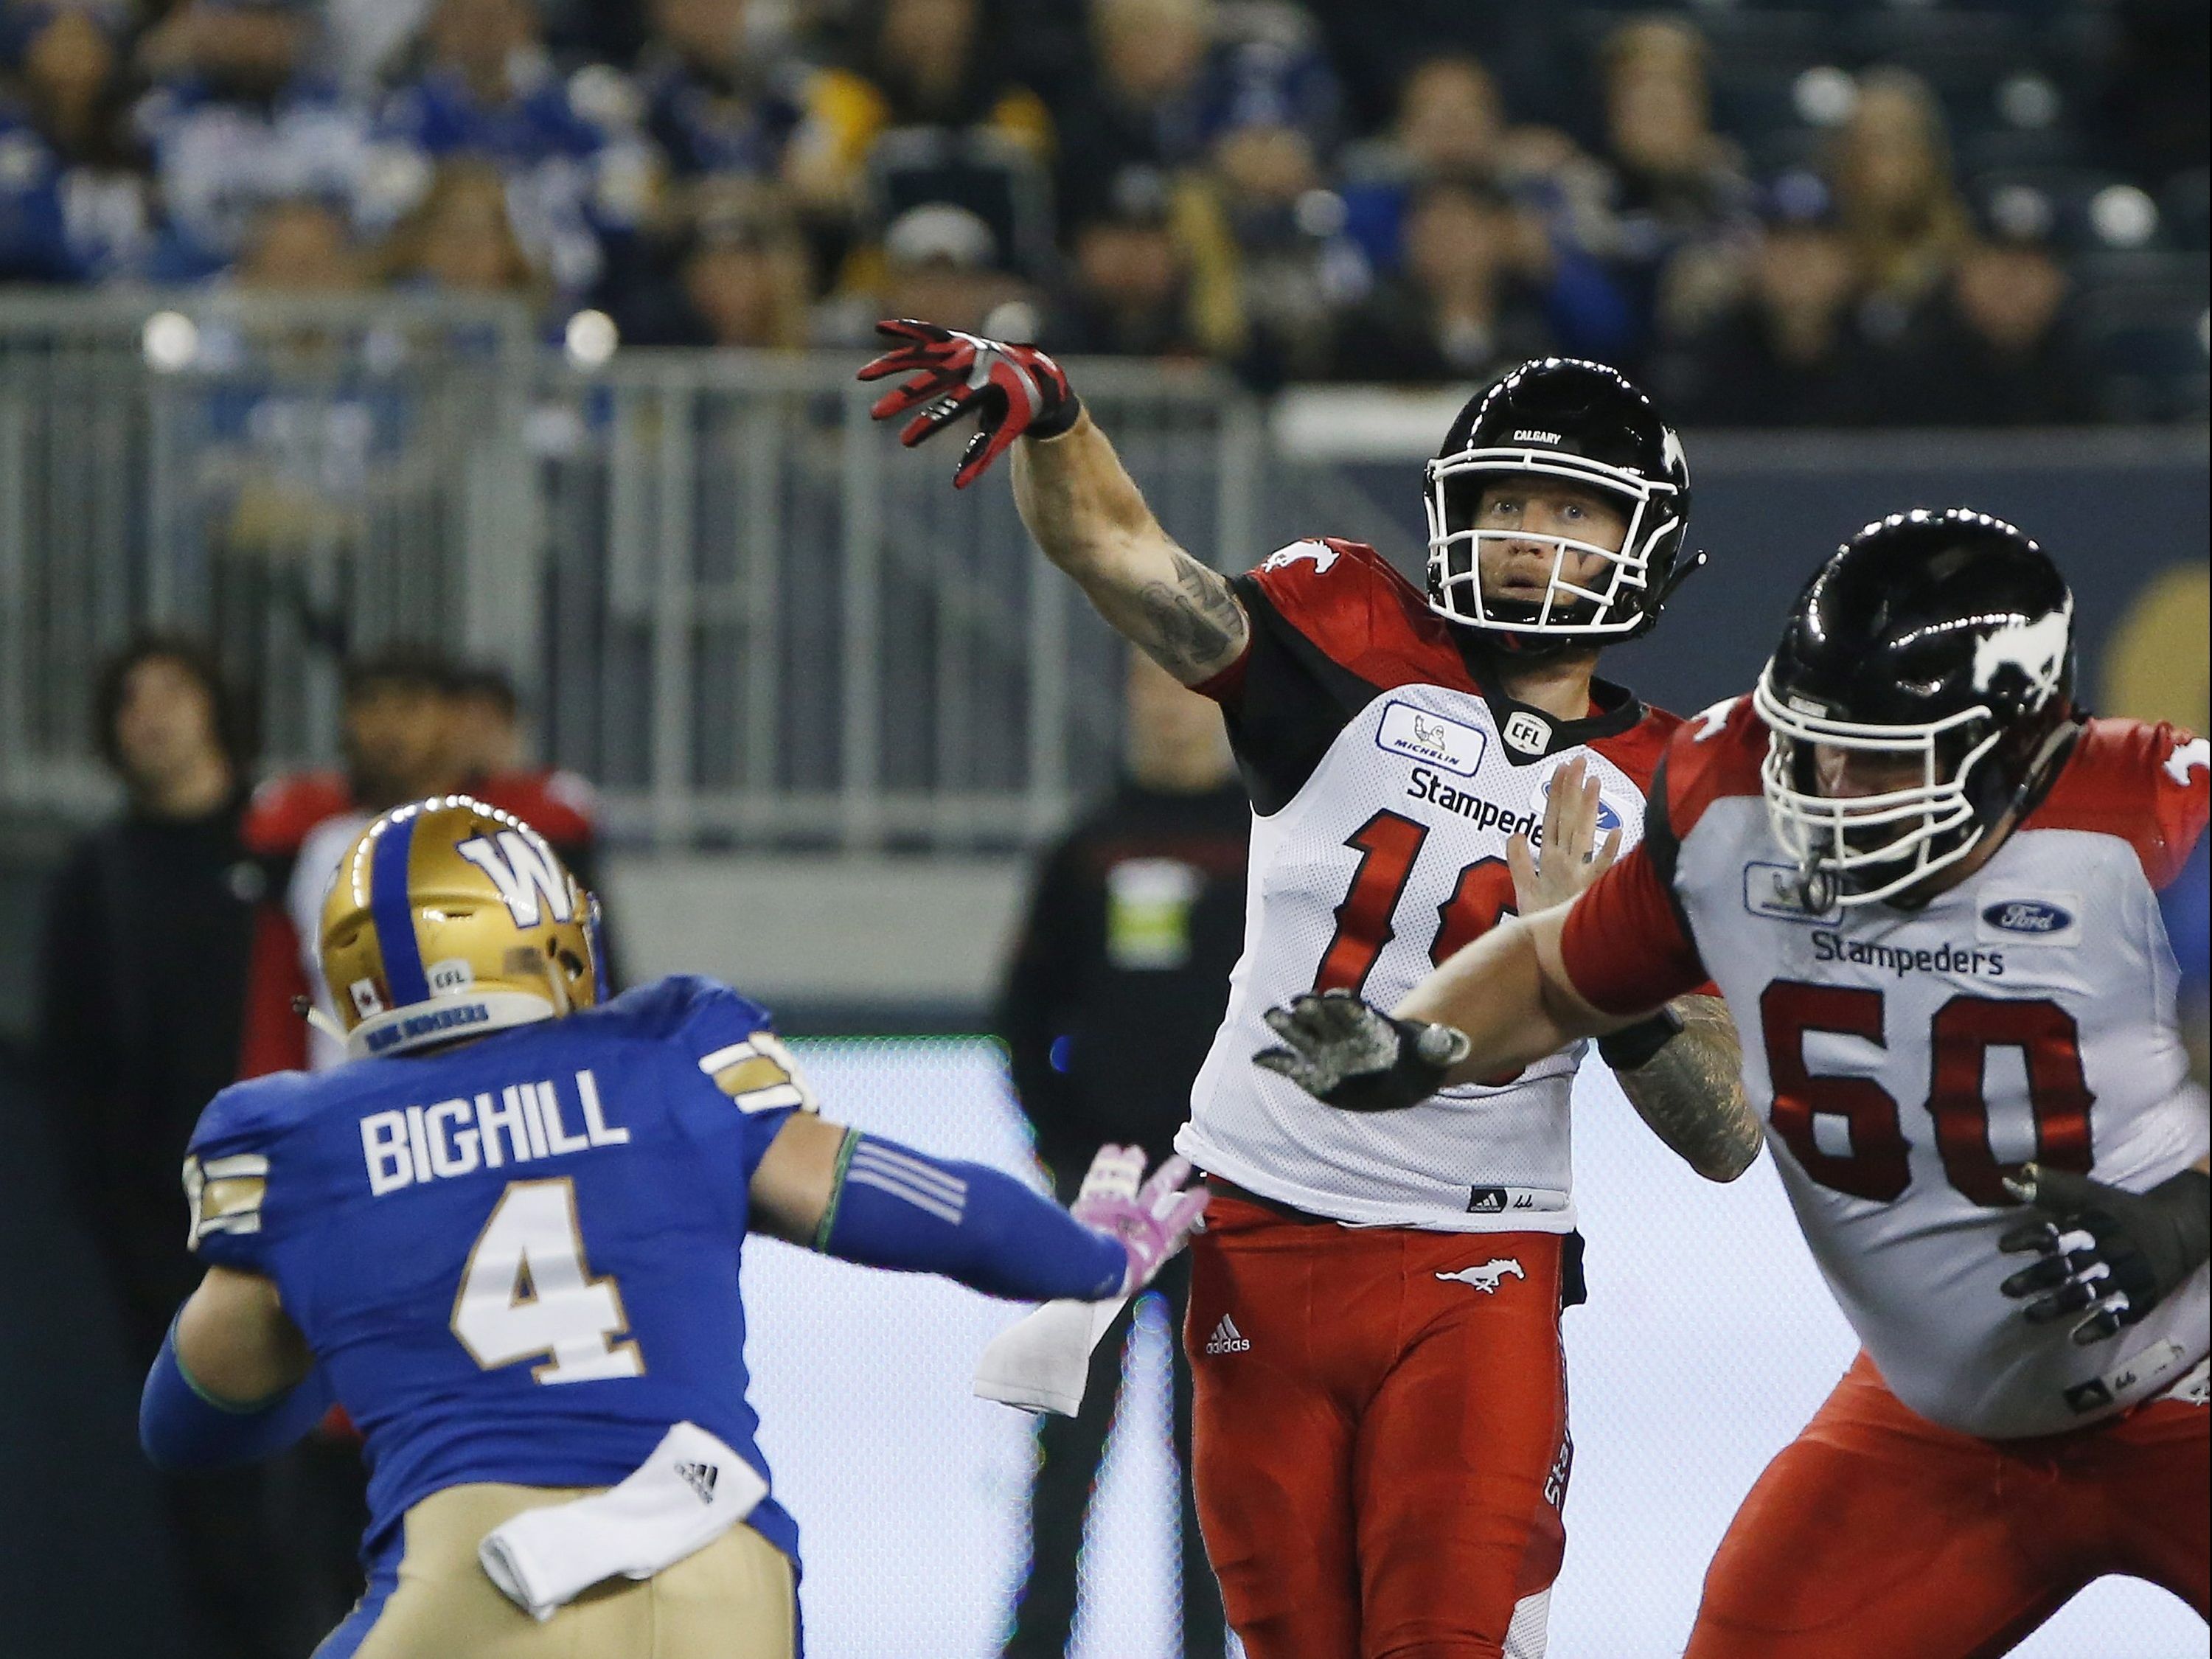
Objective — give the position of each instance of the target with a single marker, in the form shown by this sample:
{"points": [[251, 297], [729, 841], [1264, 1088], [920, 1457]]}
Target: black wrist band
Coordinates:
{"points": [[1633, 1046], [1060, 420]]}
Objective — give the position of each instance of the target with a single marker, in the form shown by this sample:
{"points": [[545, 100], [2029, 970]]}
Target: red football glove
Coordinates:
{"points": [[1016, 389]]}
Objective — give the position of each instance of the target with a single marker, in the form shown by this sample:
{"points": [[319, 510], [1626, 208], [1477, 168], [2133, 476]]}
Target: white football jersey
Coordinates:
{"points": [[313, 870], [1902, 1059], [1387, 783]]}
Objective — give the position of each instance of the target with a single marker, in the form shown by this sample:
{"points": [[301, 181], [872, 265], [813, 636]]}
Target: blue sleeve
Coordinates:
{"points": [[892, 1206], [181, 1426], [2186, 905]]}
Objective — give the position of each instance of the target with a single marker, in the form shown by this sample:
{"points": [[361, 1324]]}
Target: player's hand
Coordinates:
{"points": [[1015, 389], [1357, 1058], [1572, 858], [1152, 1221], [2105, 1254]]}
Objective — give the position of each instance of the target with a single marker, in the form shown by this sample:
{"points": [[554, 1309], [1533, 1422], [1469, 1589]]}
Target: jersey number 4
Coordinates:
{"points": [[1389, 844], [528, 1293], [1861, 1149]]}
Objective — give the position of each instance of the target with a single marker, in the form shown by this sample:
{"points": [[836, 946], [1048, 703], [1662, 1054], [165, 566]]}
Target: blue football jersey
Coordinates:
{"points": [[516, 1260]]}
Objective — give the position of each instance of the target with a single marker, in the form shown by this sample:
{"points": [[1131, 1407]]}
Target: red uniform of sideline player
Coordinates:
{"points": [[1937, 885], [1380, 1432]]}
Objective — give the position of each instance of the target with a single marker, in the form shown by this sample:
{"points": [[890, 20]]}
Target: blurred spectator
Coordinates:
{"points": [[1109, 1008], [1296, 267], [941, 262], [1456, 310], [73, 207], [736, 275], [1896, 201], [1992, 347], [1135, 287], [1790, 351], [485, 716], [1172, 77], [300, 246], [237, 119], [575, 167], [1680, 192], [459, 238], [1451, 126], [714, 102], [398, 741], [142, 974], [915, 62]]}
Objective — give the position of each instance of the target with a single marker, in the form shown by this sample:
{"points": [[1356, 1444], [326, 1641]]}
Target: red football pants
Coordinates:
{"points": [[1379, 1433], [1877, 1532]]}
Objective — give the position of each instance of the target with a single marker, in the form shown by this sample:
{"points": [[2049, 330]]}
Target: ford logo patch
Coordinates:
{"points": [[2028, 916]]}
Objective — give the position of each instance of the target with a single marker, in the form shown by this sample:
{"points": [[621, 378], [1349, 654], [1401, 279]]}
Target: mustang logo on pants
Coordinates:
{"points": [[1489, 1275]]}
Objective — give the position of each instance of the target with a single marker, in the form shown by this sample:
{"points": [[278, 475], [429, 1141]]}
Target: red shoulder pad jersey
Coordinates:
{"points": [[1388, 773], [1904, 1058], [559, 805], [279, 818]]}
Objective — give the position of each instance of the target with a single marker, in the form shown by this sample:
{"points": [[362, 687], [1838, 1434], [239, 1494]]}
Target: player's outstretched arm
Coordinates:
{"points": [[234, 1381], [1490, 1009], [1080, 505], [867, 1200], [1683, 1072]]}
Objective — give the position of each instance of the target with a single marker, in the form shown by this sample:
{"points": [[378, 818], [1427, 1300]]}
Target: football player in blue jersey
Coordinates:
{"points": [[506, 1238]]}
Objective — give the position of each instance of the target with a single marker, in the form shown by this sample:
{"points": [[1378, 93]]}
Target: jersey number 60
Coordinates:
{"points": [[1867, 1154]]}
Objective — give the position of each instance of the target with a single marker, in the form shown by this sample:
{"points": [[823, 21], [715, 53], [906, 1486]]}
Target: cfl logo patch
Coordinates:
{"points": [[529, 882], [1525, 733]]}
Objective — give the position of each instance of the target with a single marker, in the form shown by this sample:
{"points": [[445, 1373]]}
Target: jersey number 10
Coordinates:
{"points": [[1872, 1161], [1387, 845], [527, 1293]]}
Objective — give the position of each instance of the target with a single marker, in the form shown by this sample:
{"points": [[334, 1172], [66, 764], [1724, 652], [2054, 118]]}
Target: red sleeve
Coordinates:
{"points": [[558, 805], [2145, 785], [1624, 945], [274, 1038], [283, 810]]}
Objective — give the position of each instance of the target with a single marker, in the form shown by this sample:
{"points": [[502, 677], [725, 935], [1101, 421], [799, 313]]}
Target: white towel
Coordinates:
{"points": [[691, 1490], [1040, 1362]]}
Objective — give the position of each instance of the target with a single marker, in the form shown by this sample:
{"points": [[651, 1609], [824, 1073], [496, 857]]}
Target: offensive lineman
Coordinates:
{"points": [[1380, 1421], [1943, 927], [505, 1233]]}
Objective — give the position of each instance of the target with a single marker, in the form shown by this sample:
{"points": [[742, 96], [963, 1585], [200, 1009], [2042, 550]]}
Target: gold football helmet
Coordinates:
{"points": [[449, 918]]}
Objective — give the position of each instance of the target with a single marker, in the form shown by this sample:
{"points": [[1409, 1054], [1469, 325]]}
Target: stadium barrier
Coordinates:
{"points": [[738, 606]]}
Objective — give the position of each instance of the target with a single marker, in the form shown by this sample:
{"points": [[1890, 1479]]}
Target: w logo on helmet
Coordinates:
{"points": [[525, 872]]}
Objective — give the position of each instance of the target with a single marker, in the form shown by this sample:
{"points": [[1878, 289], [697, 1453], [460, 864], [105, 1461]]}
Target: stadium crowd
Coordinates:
{"points": [[1840, 214]]}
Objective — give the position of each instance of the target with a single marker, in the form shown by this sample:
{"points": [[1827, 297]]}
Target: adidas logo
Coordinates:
{"points": [[1226, 1337], [701, 1478]]}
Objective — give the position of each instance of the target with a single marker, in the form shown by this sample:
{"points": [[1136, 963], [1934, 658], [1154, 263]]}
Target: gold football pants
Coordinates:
{"points": [[735, 1599]]}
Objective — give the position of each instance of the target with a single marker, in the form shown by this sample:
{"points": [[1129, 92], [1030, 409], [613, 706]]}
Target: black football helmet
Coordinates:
{"points": [[1946, 638], [1563, 418]]}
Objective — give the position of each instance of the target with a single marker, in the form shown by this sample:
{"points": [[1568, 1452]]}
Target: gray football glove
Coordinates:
{"points": [[2108, 1254], [1357, 1058]]}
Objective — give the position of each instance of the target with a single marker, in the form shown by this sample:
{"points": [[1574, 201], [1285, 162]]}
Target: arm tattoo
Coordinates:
{"points": [[1690, 1093], [1193, 626]]}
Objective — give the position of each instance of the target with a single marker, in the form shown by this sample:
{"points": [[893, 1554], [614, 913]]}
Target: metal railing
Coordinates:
{"points": [[729, 597]]}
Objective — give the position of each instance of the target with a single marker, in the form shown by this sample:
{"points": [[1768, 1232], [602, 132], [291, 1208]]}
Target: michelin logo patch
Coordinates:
{"points": [[1420, 735], [1773, 889], [2030, 919]]}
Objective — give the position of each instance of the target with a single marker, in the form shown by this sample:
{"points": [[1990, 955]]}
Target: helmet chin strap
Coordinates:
{"points": [[316, 1017]]}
